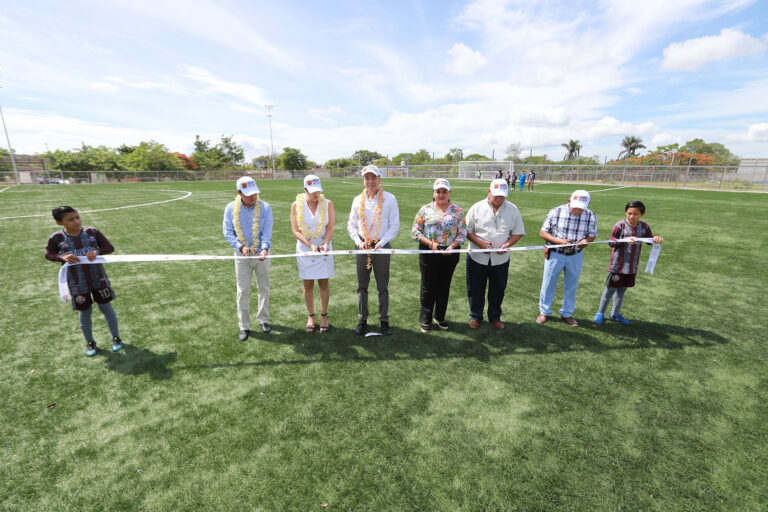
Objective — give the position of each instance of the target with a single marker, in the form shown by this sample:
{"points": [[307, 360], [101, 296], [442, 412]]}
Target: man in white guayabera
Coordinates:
{"points": [[373, 222]]}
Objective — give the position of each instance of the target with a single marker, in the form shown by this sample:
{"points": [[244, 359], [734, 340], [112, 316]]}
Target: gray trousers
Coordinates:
{"points": [[380, 267], [244, 269], [618, 299]]}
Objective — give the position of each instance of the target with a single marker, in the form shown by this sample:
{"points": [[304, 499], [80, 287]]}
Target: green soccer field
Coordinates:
{"points": [[666, 414]]}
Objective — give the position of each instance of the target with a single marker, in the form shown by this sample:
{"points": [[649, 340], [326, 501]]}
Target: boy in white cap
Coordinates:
{"points": [[493, 223], [373, 222], [568, 223], [248, 229]]}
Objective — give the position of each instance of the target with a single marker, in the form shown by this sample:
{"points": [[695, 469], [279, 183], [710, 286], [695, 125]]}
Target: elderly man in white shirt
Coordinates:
{"points": [[373, 222], [493, 223]]}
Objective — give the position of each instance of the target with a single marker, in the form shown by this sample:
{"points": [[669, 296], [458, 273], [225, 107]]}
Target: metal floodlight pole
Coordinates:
{"points": [[271, 141], [10, 149], [687, 169]]}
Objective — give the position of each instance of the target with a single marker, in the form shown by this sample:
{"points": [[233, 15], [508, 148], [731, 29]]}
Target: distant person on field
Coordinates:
{"points": [[493, 223], [87, 282], [512, 181], [624, 259], [570, 223], [479, 175], [531, 179], [438, 226], [522, 181], [312, 222], [247, 228], [373, 222], [507, 177]]}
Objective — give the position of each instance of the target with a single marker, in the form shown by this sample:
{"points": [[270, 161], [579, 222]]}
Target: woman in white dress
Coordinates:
{"points": [[312, 221]]}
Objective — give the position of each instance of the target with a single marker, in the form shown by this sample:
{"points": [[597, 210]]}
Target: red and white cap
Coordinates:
{"points": [[247, 186], [499, 188], [441, 183], [312, 183], [579, 199], [372, 169]]}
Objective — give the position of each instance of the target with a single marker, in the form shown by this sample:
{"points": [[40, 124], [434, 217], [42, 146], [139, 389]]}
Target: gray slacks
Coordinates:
{"points": [[380, 267]]}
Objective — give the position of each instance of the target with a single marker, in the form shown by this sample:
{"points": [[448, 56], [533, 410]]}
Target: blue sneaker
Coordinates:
{"points": [[117, 344], [620, 319], [90, 349], [599, 319]]}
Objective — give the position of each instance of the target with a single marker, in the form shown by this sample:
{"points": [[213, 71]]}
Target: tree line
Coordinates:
{"points": [[226, 154]]}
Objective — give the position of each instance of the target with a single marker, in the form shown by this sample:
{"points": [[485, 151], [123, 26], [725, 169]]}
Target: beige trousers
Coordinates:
{"points": [[244, 269]]}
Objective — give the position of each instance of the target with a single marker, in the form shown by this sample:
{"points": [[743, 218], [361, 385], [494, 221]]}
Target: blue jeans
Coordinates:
{"points": [[477, 277], [570, 266]]}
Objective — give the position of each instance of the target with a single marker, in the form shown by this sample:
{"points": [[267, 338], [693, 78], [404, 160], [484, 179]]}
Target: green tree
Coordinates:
{"points": [[513, 151], [477, 157], [151, 156], [339, 163], [421, 157], [572, 148], [225, 154], [720, 154], [454, 155], [631, 144], [292, 159], [262, 162], [365, 157]]}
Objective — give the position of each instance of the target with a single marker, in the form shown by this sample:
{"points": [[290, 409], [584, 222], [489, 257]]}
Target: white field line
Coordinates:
{"points": [[116, 208], [4, 189]]}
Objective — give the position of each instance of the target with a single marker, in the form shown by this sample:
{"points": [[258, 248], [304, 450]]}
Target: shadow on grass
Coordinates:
{"points": [[341, 344], [136, 361]]}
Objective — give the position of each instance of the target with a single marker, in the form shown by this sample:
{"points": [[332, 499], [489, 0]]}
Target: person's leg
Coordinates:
{"points": [[111, 317], [309, 299], [497, 283], [618, 300], [262, 282], [427, 292], [381, 273], [552, 268], [477, 277], [571, 275], [243, 276], [605, 298], [86, 324], [363, 280], [325, 295], [443, 284]]}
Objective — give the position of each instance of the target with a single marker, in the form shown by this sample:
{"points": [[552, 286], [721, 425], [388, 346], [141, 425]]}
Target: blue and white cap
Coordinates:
{"points": [[247, 186], [372, 169], [312, 183], [579, 199], [499, 188], [441, 183]]}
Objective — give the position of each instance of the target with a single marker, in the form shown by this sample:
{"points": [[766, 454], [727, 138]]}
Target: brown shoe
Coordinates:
{"points": [[474, 324], [570, 321], [498, 325], [541, 319]]}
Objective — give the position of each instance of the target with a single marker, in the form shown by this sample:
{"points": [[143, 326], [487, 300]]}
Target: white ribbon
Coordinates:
{"points": [[65, 294], [651, 265]]}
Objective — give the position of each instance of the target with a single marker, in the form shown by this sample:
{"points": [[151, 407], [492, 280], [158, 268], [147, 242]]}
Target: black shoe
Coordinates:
{"points": [[265, 328], [386, 330], [361, 327], [243, 335]]}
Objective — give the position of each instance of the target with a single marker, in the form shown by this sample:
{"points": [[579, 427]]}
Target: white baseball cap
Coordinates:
{"points": [[247, 186], [370, 169], [499, 188], [579, 199], [312, 183], [441, 183]]}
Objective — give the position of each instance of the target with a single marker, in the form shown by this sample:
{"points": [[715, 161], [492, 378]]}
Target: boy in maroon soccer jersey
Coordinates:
{"points": [[85, 281], [624, 260]]}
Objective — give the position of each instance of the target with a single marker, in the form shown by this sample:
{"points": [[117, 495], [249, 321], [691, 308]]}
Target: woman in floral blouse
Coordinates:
{"points": [[438, 226]]}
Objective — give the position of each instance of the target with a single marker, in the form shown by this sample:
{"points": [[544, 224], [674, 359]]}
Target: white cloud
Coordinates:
{"points": [[464, 60], [693, 54], [665, 139], [758, 132], [104, 87], [324, 114], [246, 92]]}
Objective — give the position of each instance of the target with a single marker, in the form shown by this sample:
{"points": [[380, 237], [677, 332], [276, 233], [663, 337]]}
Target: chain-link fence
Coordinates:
{"points": [[751, 175]]}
